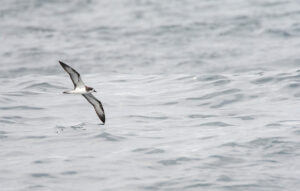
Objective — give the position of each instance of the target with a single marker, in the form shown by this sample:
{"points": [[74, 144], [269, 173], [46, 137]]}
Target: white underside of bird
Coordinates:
{"points": [[78, 90]]}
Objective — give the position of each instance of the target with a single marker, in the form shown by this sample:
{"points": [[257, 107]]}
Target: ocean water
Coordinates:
{"points": [[198, 95]]}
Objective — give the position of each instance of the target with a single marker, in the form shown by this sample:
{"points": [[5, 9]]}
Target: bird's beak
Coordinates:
{"points": [[95, 91]]}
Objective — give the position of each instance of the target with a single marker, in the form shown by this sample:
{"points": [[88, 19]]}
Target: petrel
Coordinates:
{"points": [[85, 91]]}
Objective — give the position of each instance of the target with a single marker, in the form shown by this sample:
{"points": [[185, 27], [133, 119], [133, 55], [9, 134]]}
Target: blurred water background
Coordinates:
{"points": [[198, 95]]}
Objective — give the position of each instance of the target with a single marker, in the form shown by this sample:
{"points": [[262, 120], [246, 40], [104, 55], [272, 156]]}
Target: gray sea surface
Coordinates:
{"points": [[198, 95]]}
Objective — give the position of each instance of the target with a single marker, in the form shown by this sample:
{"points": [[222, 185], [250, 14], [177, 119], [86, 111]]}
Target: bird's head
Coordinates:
{"points": [[90, 89]]}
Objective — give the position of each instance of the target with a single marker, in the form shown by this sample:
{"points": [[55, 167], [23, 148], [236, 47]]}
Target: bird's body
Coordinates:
{"points": [[85, 91], [78, 90]]}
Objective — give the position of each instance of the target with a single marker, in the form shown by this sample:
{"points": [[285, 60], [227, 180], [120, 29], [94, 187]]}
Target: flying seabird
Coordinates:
{"points": [[85, 91]]}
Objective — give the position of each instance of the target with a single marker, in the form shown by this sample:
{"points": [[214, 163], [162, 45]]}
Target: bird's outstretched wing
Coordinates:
{"points": [[74, 75], [97, 105]]}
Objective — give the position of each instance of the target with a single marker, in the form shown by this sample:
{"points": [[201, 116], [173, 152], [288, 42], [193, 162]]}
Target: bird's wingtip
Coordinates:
{"points": [[61, 63]]}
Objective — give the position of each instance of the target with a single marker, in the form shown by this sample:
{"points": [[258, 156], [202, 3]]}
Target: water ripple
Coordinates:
{"points": [[216, 123], [109, 137], [21, 107]]}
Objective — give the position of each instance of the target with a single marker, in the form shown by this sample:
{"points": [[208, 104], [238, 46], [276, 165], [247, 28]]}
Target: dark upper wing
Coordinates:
{"points": [[74, 75], [97, 106]]}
